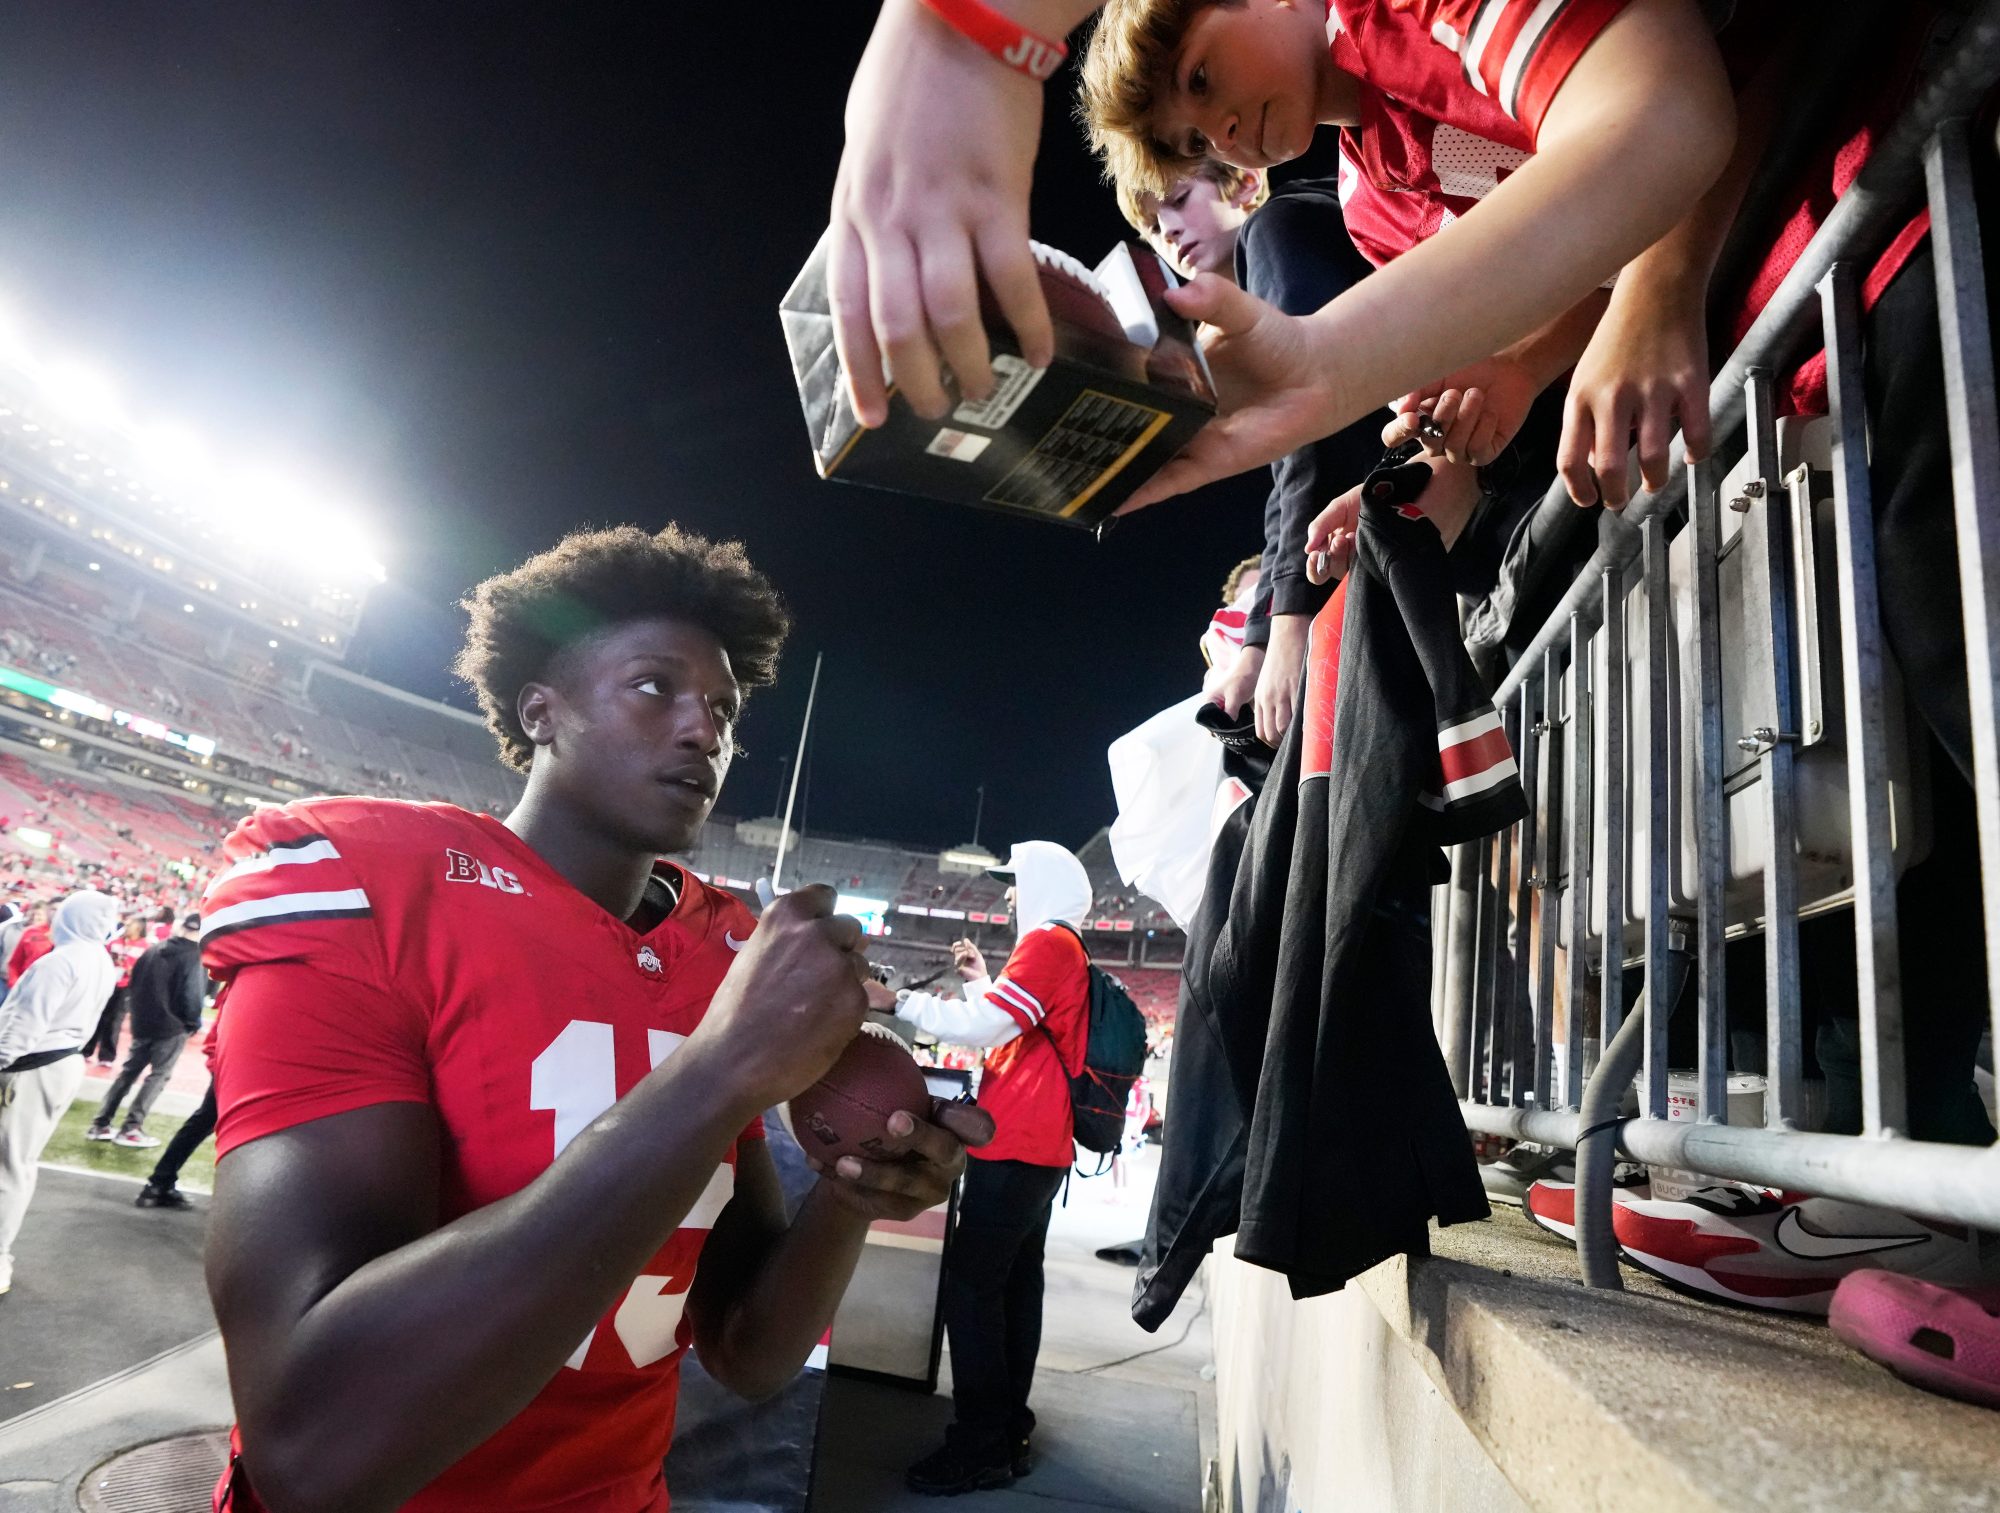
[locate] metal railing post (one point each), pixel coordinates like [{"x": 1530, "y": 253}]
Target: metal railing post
[
  {"x": 1975, "y": 484},
  {"x": 1523, "y": 1049},
  {"x": 1610, "y": 716},
  {"x": 1659, "y": 807},
  {"x": 1711, "y": 814},
  {"x": 1455, "y": 1029},
  {"x": 1878, "y": 966},
  {"x": 1548, "y": 840},
  {"x": 1769, "y": 610},
  {"x": 1576, "y": 898},
  {"x": 1485, "y": 934}
]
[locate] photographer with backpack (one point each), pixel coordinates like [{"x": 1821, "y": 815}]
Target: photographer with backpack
[{"x": 1063, "y": 1044}]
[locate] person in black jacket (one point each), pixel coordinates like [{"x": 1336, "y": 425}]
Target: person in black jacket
[
  {"x": 168, "y": 986},
  {"x": 1292, "y": 250}
]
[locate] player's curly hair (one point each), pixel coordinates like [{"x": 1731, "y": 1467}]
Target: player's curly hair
[{"x": 591, "y": 580}]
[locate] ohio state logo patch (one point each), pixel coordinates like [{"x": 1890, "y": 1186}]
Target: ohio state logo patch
[{"x": 649, "y": 961}]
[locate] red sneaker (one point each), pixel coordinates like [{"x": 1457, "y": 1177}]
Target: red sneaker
[
  {"x": 1551, "y": 1204},
  {"x": 1786, "y": 1252}
]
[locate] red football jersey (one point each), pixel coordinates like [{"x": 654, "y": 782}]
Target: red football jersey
[
  {"x": 376, "y": 951},
  {"x": 1045, "y": 989},
  {"x": 1453, "y": 92}
]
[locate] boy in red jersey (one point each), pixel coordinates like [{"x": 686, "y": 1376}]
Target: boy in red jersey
[
  {"x": 1524, "y": 108},
  {"x": 1033, "y": 1020},
  {"x": 488, "y": 1091}
]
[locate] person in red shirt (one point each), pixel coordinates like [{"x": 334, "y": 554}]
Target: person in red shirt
[
  {"x": 34, "y": 943},
  {"x": 489, "y": 1148},
  {"x": 1034, "y": 1020},
  {"x": 126, "y": 950}
]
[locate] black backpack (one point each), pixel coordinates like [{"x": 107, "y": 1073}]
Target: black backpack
[{"x": 1114, "y": 1056}]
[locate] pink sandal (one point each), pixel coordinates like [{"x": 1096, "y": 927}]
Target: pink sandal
[{"x": 1944, "y": 1339}]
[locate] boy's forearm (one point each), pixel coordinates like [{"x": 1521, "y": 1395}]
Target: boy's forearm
[
  {"x": 1052, "y": 18},
  {"x": 1553, "y": 350},
  {"x": 1537, "y": 246},
  {"x": 501, "y": 1297},
  {"x": 1683, "y": 261}
]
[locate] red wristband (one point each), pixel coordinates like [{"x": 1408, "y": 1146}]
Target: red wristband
[{"x": 1009, "y": 41}]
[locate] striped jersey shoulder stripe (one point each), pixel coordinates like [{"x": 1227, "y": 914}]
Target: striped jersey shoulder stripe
[
  {"x": 1019, "y": 996},
  {"x": 299, "y": 851},
  {"x": 285, "y": 908},
  {"x": 1499, "y": 44},
  {"x": 1519, "y": 58},
  {"x": 1013, "y": 1010}
]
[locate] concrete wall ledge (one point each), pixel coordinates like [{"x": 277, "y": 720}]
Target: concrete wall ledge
[{"x": 1648, "y": 1400}]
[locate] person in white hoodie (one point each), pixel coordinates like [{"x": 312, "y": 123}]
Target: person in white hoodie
[
  {"x": 44, "y": 1022},
  {"x": 1033, "y": 1019}
]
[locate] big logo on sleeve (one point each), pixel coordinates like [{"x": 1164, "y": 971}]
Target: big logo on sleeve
[{"x": 461, "y": 868}]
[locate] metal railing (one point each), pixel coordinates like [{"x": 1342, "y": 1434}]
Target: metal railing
[{"x": 1572, "y": 708}]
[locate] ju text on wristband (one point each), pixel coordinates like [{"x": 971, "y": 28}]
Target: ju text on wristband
[{"x": 1006, "y": 39}]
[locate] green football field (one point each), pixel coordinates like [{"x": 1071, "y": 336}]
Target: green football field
[{"x": 68, "y": 1148}]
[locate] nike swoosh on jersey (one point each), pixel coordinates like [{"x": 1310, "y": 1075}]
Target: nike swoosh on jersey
[
  {"x": 733, "y": 943},
  {"x": 1794, "y": 1238}
]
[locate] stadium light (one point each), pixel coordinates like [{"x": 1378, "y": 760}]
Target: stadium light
[
  {"x": 265, "y": 510},
  {"x": 274, "y": 511},
  {"x": 175, "y": 455},
  {"x": 14, "y": 350},
  {"x": 82, "y": 393}
]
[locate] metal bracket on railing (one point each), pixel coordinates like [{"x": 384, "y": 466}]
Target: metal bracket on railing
[
  {"x": 1752, "y": 492},
  {"x": 1762, "y": 739}
]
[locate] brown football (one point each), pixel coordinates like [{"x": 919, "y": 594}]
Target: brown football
[{"x": 846, "y": 1112}]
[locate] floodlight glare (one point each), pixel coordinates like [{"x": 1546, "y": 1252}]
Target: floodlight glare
[
  {"x": 175, "y": 455},
  {"x": 275, "y": 513},
  {"x": 82, "y": 393}
]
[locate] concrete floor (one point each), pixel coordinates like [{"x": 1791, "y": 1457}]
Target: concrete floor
[{"x": 1126, "y": 1417}]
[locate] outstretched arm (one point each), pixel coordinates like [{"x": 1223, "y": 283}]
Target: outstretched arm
[
  {"x": 932, "y": 197},
  {"x": 1648, "y": 103}
]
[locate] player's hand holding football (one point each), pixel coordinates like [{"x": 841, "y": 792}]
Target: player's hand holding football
[
  {"x": 924, "y": 1159},
  {"x": 792, "y": 999}
]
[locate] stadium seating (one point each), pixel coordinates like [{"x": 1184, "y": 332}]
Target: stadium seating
[
  {"x": 1156, "y": 990},
  {"x": 63, "y": 629},
  {"x": 144, "y": 847}
]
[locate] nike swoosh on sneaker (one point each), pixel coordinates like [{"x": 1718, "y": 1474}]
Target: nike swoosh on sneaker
[
  {"x": 1792, "y": 1237},
  {"x": 733, "y": 943}
]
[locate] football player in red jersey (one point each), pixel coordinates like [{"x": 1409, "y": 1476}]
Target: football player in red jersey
[{"x": 488, "y": 1091}]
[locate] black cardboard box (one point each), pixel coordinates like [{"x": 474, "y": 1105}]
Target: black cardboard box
[{"x": 1068, "y": 443}]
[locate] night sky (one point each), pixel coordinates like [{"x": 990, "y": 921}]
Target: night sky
[{"x": 504, "y": 270}]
